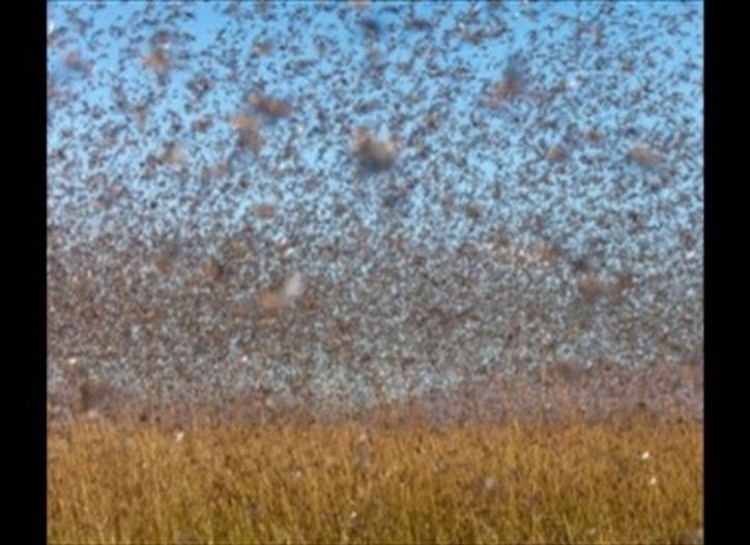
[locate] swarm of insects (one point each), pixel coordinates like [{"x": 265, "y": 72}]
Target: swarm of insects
[{"x": 374, "y": 191}]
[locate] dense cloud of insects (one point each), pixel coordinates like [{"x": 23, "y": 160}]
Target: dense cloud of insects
[{"x": 329, "y": 200}]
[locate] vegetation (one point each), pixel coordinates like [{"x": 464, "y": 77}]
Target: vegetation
[{"x": 635, "y": 479}]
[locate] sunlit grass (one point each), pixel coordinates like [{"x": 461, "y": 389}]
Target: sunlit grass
[{"x": 409, "y": 483}]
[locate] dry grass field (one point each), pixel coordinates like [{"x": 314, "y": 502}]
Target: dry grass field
[{"x": 637, "y": 479}]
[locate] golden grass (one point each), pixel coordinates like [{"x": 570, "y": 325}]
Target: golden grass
[{"x": 350, "y": 483}]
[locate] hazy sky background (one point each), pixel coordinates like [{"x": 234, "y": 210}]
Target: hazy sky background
[{"x": 446, "y": 74}]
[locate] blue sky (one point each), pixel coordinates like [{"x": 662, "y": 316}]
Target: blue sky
[{"x": 337, "y": 79}]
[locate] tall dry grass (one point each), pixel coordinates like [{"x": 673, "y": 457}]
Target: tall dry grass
[{"x": 630, "y": 480}]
